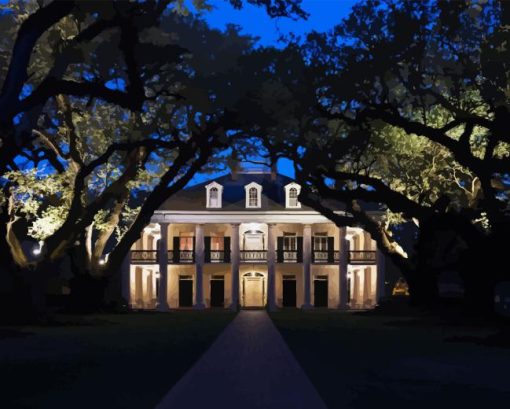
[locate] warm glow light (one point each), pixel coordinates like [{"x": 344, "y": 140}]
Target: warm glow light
[
  {"x": 38, "y": 250},
  {"x": 101, "y": 262}
]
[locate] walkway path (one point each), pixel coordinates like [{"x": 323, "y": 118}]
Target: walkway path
[{"x": 249, "y": 366}]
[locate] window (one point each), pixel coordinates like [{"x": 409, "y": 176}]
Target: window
[
  {"x": 320, "y": 243},
  {"x": 186, "y": 243},
  {"x": 291, "y": 196},
  {"x": 253, "y": 195},
  {"x": 217, "y": 243},
  {"x": 289, "y": 242},
  {"x": 213, "y": 197},
  {"x": 213, "y": 191}
]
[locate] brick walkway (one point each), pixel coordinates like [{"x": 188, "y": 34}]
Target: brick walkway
[{"x": 249, "y": 366}]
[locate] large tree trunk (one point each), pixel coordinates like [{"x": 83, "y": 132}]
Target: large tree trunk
[{"x": 87, "y": 288}]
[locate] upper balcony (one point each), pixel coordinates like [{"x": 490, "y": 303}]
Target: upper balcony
[{"x": 253, "y": 256}]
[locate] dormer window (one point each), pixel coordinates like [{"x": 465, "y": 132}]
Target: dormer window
[
  {"x": 253, "y": 195},
  {"x": 291, "y": 196},
  {"x": 214, "y": 192}
]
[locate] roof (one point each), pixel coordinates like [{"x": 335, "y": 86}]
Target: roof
[{"x": 233, "y": 198}]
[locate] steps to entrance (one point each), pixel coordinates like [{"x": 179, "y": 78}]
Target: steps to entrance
[{"x": 249, "y": 366}]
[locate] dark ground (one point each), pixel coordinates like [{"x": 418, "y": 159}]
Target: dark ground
[
  {"x": 400, "y": 358},
  {"x": 104, "y": 361}
]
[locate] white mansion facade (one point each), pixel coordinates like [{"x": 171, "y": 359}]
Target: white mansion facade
[{"x": 244, "y": 240}]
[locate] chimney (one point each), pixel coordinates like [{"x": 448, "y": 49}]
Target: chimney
[
  {"x": 233, "y": 164},
  {"x": 274, "y": 171}
]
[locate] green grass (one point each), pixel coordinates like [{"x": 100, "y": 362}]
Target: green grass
[
  {"x": 366, "y": 361},
  {"x": 104, "y": 361}
]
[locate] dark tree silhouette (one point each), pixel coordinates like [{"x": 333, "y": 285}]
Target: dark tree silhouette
[
  {"x": 60, "y": 72},
  {"x": 402, "y": 104}
]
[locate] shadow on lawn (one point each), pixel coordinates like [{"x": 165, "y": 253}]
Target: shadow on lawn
[{"x": 501, "y": 339}]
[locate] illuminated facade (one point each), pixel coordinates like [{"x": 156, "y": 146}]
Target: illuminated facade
[{"x": 245, "y": 240}]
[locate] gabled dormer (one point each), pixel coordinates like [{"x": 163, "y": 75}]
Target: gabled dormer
[
  {"x": 253, "y": 195},
  {"x": 214, "y": 192},
  {"x": 292, "y": 191}
]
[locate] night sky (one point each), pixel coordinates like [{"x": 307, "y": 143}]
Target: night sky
[{"x": 324, "y": 14}]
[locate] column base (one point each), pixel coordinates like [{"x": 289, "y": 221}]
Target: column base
[
  {"x": 344, "y": 307},
  {"x": 272, "y": 308},
  {"x": 163, "y": 308},
  {"x": 200, "y": 306},
  {"x": 307, "y": 307},
  {"x": 234, "y": 307}
]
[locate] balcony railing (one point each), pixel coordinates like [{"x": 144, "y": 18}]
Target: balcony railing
[
  {"x": 290, "y": 256},
  {"x": 362, "y": 257},
  {"x": 186, "y": 256},
  {"x": 144, "y": 256},
  {"x": 217, "y": 256},
  {"x": 253, "y": 256}
]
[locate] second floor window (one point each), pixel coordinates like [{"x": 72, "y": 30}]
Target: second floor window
[
  {"x": 217, "y": 243},
  {"x": 320, "y": 243},
  {"x": 289, "y": 243},
  {"x": 186, "y": 243},
  {"x": 253, "y": 197}
]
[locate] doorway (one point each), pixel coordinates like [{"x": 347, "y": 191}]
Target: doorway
[
  {"x": 320, "y": 284},
  {"x": 185, "y": 291},
  {"x": 254, "y": 291},
  {"x": 217, "y": 291},
  {"x": 289, "y": 291}
]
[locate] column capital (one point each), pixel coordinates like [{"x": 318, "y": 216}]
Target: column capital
[{"x": 235, "y": 224}]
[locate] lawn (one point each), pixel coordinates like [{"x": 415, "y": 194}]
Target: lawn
[
  {"x": 104, "y": 361},
  {"x": 367, "y": 361}
]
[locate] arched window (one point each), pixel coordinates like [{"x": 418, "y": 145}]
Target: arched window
[
  {"x": 253, "y": 196},
  {"x": 213, "y": 197},
  {"x": 214, "y": 191},
  {"x": 293, "y": 195}
]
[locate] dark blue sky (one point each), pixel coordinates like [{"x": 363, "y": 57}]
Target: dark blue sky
[{"x": 324, "y": 14}]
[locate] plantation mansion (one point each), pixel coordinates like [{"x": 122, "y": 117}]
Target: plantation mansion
[{"x": 244, "y": 240}]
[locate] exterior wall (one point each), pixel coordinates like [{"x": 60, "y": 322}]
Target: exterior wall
[{"x": 143, "y": 278}]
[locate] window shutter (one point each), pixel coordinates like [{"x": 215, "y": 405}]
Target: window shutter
[
  {"x": 299, "y": 243},
  {"x": 279, "y": 249},
  {"x": 226, "y": 248},
  {"x": 207, "y": 249},
  {"x": 331, "y": 249},
  {"x": 176, "y": 249}
]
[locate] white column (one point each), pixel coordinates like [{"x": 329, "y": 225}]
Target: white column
[
  {"x": 125, "y": 271},
  {"x": 380, "y": 265},
  {"x": 163, "y": 268},
  {"x": 355, "y": 290},
  {"x": 271, "y": 280},
  {"x": 199, "y": 266},
  {"x": 234, "y": 265},
  {"x": 307, "y": 262},
  {"x": 343, "y": 265},
  {"x": 139, "y": 287},
  {"x": 367, "y": 287}
]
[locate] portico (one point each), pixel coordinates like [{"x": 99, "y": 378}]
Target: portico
[{"x": 258, "y": 257}]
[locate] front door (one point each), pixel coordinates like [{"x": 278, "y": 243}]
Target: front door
[
  {"x": 321, "y": 291},
  {"x": 253, "y": 290},
  {"x": 185, "y": 291},
  {"x": 289, "y": 291},
  {"x": 217, "y": 292}
]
